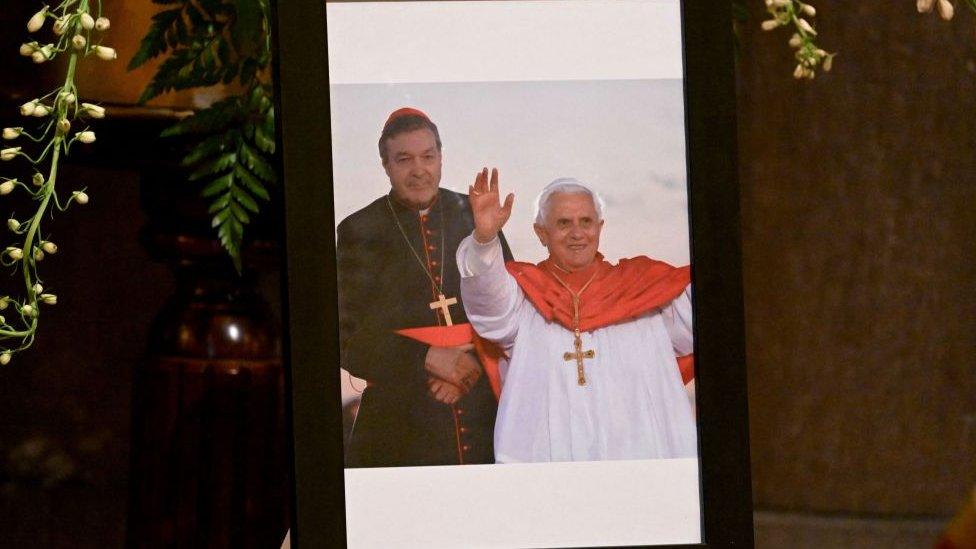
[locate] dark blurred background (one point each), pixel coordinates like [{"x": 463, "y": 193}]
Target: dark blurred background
[
  {"x": 858, "y": 234},
  {"x": 859, "y": 239}
]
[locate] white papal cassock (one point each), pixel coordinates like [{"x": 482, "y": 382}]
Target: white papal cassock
[{"x": 633, "y": 405}]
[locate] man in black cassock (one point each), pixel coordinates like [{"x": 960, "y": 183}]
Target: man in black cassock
[{"x": 422, "y": 405}]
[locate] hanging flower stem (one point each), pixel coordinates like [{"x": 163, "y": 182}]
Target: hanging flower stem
[
  {"x": 796, "y": 14},
  {"x": 76, "y": 33}
]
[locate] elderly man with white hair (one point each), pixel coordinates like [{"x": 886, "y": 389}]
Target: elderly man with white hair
[{"x": 591, "y": 370}]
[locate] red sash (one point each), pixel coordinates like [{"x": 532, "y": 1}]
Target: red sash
[{"x": 618, "y": 293}]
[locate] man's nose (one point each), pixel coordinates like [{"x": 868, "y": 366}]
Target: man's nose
[{"x": 417, "y": 167}]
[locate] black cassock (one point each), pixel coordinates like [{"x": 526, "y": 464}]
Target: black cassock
[{"x": 383, "y": 287}]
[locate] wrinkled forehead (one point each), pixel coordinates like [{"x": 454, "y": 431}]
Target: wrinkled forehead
[
  {"x": 411, "y": 142},
  {"x": 571, "y": 205}
]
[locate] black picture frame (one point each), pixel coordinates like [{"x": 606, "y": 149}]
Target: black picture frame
[{"x": 302, "y": 81}]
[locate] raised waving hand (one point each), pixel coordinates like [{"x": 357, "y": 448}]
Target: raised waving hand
[{"x": 490, "y": 215}]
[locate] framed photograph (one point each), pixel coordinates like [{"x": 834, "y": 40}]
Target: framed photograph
[{"x": 513, "y": 284}]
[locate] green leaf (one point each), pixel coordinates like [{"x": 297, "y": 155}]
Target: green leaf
[
  {"x": 256, "y": 163},
  {"x": 254, "y": 98},
  {"x": 177, "y": 35},
  {"x": 226, "y": 161},
  {"x": 252, "y": 183},
  {"x": 168, "y": 74},
  {"x": 230, "y": 230},
  {"x": 263, "y": 141},
  {"x": 219, "y": 203},
  {"x": 206, "y": 42},
  {"x": 264, "y": 134},
  {"x": 239, "y": 213},
  {"x": 236, "y": 227},
  {"x": 205, "y": 149},
  {"x": 215, "y": 118},
  {"x": 219, "y": 165},
  {"x": 222, "y": 183},
  {"x": 220, "y": 218},
  {"x": 154, "y": 43},
  {"x": 245, "y": 200}
]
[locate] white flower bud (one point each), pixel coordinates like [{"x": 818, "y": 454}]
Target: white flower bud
[
  {"x": 49, "y": 299},
  {"x": 808, "y": 10},
  {"x": 41, "y": 111},
  {"x": 828, "y": 62},
  {"x": 38, "y": 254},
  {"x": 946, "y": 11},
  {"x": 771, "y": 24},
  {"x": 13, "y": 224},
  {"x": 798, "y": 72},
  {"x": 38, "y": 288},
  {"x": 37, "y": 179},
  {"x": 59, "y": 26},
  {"x": 806, "y": 26},
  {"x": 924, "y": 6},
  {"x": 796, "y": 41},
  {"x": 27, "y": 108},
  {"x": 15, "y": 253},
  {"x": 4, "y": 357},
  {"x": 12, "y": 133},
  {"x": 64, "y": 126},
  {"x": 28, "y": 49},
  {"x": 105, "y": 52},
  {"x": 35, "y": 23},
  {"x": 102, "y": 24},
  {"x": 93, "y": 111},
  {"x": 9, "y": 153},
  {"x": 78, "y": 41},
  {"x": 43, "y": 53},
  {"x": 86, "y": 136},
  {"x": 27, "y": 310},
  {"x": 87, "y": 22},
  {"x": 49, "y": 247},
  {"x": 7, "y": 187},
  {"x": 4, "y": 301},
  {"x": 80, "y": 197}
]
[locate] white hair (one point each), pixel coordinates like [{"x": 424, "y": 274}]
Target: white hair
[{"x": 566, "y": 185}]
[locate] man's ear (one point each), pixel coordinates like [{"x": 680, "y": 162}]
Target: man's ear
[{"x": 541, "y": 233}]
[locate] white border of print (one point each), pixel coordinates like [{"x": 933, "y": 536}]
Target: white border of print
[{"x": 530, "y": 505}]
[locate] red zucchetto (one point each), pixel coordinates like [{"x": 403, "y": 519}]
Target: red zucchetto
[{"x": 405, "y": 111}]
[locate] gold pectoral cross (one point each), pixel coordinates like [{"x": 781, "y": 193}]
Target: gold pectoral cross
[
  {"x": 578, "y": 355},
  {"x": 443, "y": 303}
]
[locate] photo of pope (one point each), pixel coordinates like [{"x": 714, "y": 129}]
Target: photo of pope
[{"x": 591, "y": 349}]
